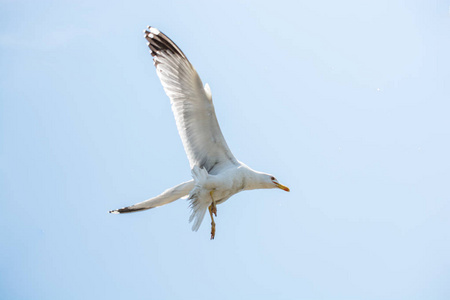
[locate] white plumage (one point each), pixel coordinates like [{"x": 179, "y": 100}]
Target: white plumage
[{"x": 217, "y": 174}]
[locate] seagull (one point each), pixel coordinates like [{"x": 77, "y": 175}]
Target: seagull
[{"x": 217, "y": 174}]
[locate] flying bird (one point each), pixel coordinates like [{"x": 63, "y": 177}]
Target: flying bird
[{"x": 217, "y": 174}]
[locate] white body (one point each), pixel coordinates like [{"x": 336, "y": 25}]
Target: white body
[{"x": 214, "y": 168}]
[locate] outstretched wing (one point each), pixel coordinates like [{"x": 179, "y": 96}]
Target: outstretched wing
[
  {"x": 192, "y": 105},
  {"x": 166, "y": 197}
]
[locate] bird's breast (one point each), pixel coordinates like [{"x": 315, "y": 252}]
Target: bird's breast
[{"x": 224, "y": 191}]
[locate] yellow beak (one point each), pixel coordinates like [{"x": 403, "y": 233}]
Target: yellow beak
[{"x": 284, "y": 188}]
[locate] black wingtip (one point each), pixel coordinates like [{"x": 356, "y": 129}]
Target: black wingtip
[
  {"x": 125, "y": 210},
  {"x": 159, "y": 42}
]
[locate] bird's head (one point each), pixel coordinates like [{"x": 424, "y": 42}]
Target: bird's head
[{"x": 270, "y": 182}]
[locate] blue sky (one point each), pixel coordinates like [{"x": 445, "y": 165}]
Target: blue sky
[{"x": 347, "y": 103}]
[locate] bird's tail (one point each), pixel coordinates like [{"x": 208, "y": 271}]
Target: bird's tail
[
  {"x": 166, "y": 197},
  {"x": 197, "y": 197},
  {"x": 200, "y": 175}
]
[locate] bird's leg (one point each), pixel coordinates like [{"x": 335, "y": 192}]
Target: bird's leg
[
  {"x": 212, "y": 210},
  {"x": 213, "y": 204},
  {"x": 213, "y": 224}
]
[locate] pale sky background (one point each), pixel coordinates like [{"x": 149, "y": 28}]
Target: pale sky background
[{"x": 345, "y": 102}]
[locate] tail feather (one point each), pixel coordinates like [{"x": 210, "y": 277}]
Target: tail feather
[
  {"x": 197, "y": 215},
  {"x": 166, "y": 197},
  {"x": 197, "y": 197},
  {"x": 200, "y": 175}
]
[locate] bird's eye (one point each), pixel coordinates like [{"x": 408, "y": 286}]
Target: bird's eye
[{"x": 272, "y": 178}]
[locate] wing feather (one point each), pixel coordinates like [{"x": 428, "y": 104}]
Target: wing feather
[
  {"x": 165, "y": 197},
  {"x": 192, "y": 105}
]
